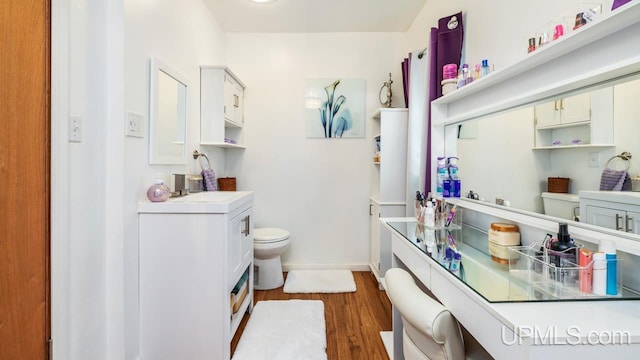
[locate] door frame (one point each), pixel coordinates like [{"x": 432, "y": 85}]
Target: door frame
[{"x": 59, "y": 241}]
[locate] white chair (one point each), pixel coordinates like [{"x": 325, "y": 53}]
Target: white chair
[{"x": 430, "y": 331}]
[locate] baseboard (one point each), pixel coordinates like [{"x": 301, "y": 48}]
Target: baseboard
[{"x": 352, "y": 267}]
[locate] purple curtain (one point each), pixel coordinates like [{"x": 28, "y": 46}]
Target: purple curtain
[
  {"x": 406, "y": 66},
  {"x": 446, "y": 48},
  {"x": 618, "y": 3}
]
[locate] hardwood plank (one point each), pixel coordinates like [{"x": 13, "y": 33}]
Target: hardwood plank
[{"x": 353, "y": 320}]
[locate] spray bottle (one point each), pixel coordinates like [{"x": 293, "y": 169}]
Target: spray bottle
[{"x": 441, "y": 175}]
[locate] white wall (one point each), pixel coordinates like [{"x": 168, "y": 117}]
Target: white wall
[
  {"x": 496, "y": 31},
  {"x": 86, "y": 271},
  {"x": 317, "y": 189},
  {"x": 184, "y": 35}
]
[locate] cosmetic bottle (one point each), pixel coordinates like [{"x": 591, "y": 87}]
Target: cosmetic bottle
[
  {"x": 609, "y": 251},
  {"x": 532, "y": 45},
  {"x": 485, "y": 70},
  {"x": 158, "y": 192},
  {"x": 559, "y": 32},
  {"x": 599, "y": 273},
  {"x": 585, "y": 256},
  {"x": 455, "y": 262},
  {"x": 563, "y": 248},
  {"x": 429, "y": 215},
  {"x": 452, "y": 167},
  {"x": 441, "y": 175}
]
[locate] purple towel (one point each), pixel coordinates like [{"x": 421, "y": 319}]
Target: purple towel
[
  {"x": 209, "y": 180},
  {"x": 615, "y": 180}
]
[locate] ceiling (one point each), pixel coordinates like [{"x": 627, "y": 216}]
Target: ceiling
[{"x": 302, "y": 16}]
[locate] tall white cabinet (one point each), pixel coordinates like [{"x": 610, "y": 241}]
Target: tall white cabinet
[
  {"x": 388, "y": 183},
  {"x": 195, "y": 274}
]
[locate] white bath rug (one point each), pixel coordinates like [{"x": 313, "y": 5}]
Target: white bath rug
[
  {"x": 319, "y": 281},
  {"x": 284, "y": 330}
]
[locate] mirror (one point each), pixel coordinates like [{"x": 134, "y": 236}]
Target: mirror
[
  {"x": 538, "y": 150},
  {"x": 167, "y": 114}
]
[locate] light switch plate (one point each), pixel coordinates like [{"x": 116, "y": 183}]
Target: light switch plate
[
  {"x": 134, "y": 125},
  {"x": 593, "y": 159},
  {"x": 75, "y": 129}
]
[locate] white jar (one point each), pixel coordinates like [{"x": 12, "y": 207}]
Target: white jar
[{"x": 501, "y": 237}]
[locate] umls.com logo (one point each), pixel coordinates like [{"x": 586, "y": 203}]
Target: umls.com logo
[{"x": 573, "y": 335}]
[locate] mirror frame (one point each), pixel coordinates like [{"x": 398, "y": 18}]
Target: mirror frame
[
  {"x": 156, "y": 66},
  {"x": 556, "y": 70}
]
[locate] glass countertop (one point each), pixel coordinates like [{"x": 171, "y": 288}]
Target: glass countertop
[{"x": 490, "y": 279}]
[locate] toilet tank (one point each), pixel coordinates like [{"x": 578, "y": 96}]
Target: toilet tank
[{"x": 561, "y": 205}]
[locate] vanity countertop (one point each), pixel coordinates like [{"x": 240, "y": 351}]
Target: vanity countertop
[
  {"x": 203, "y": 202},
  {"x": 626, "y": 197},
  {"x": 511, "y": 328}
]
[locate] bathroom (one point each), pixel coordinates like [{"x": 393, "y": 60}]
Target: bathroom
[{"x": 318, "y": 190}]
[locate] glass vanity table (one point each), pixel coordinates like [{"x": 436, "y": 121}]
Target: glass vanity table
[
  {"x": 509, "y": 319},
  {"x": 487, "y": 278}
]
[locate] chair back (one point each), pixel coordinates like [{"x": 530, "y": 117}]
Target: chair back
[{"x": 430, "y": 331}]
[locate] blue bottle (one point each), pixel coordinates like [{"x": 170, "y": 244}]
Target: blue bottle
[
  {"x": 454, "y": 186},
  {"x": 441, "y": 175},
  {"x": 612, "y": 267}
]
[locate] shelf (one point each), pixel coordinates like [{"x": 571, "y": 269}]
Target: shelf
[
  {"x": 567, "y": 125},
  {"x": 581, "y": 75},
  {"x": 224, "y": 145},
  {"x": 585, "y": 146},
  {"x": 231, "y": 124},
  {"x": 376, "y": 114}
]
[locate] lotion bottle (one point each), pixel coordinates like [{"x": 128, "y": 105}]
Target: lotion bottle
[{"x": 599, "y": 273}]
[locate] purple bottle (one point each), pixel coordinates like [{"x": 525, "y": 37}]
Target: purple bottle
[{"x": 158, "y": 192}]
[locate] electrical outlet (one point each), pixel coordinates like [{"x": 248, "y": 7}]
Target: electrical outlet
[
  {"x": 134, "y": 125},
  {"x": 593, "y": 159},
  {"x": 75, "y": 129}
]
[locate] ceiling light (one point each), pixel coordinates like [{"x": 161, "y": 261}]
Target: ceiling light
[{"x": 263, "y": 1}]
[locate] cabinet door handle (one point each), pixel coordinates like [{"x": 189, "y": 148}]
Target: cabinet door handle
[
  {"x": 561, "y": 104},
  {"x": 370, "y": 213},
  {"x": 247, "y": 229},
  {"x": 627, "y": 219},
  {"x": 235, "y": 100},
  {"x": 555, "y": 105},
  {"x": 618, "y": 218}
]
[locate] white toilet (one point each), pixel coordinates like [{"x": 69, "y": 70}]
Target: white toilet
[
  {"x": 561, "y": 205},
  {"x": 268, "y": 245}
]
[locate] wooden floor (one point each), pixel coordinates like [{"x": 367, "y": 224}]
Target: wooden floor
[{"x": 353, "y": 320}]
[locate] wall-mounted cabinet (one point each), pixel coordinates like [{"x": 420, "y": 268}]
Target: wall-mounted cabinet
[
  {"x": 584, "y": 120},
  {"x": 388, "y": 183},
  {"x": 221, "y": 108}
]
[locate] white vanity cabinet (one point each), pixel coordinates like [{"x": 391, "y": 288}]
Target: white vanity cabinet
[
  {"x": 618, "y": 210},
  {"x": 221, "y": 107},
  {"x": 193, "y": 252},
  {"x": 388, "y": 183}
]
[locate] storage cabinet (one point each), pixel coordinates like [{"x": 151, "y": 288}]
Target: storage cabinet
[
  {"x": 195, "y": 275},
  {"x": 221, "y": 108},
  {"x": 617, "y": 210},
  {"x": 564, "y": 111},
  {"x": 584, "y": 120},
  {"x": 388, "y": 182}
]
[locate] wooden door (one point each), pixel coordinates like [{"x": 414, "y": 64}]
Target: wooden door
[{"x": 24, "y": 178}]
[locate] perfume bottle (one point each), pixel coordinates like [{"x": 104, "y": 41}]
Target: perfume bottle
[{"x": 158, "y": 192}]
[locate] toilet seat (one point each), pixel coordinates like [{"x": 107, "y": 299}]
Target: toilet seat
[{"x": 269, "y": 235}]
